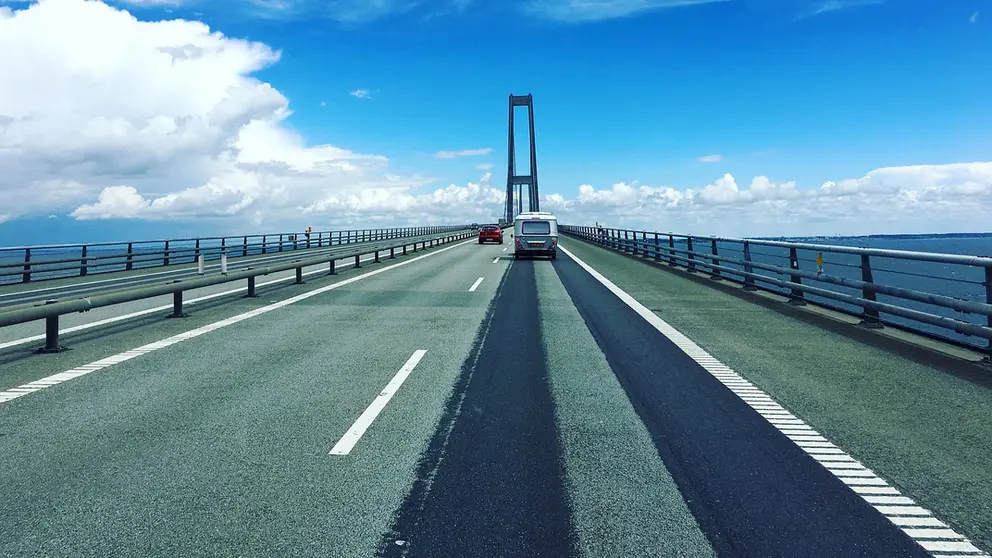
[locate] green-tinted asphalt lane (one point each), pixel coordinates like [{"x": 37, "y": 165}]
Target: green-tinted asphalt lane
[
  {"x": 218, "y": 445},
  {"x": 624, "y": 501},
  {"x": 921, "y": 428}
]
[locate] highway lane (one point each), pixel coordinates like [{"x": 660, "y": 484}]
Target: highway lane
[
  {"x": 21, "y": 293},
  {"x": 219, "y": 444},
  {"x": 545, "y": 418}
]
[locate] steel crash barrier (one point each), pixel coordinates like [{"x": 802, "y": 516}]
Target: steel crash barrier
[
  {"x": 940, "y": 292},
  {"x": 23, "y": 264},
  {"x": 50, "y": 310}
]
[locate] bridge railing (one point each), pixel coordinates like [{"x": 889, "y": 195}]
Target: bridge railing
[
  {"x": 23, "y": 264},
  {"x": 52, "y": 309},
  {"x": 947, "y": 296}
]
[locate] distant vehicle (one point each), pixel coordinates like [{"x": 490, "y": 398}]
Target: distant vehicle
[
  {"x": 490, "y": 232},
  {"x": 536, "y": 234},
  {"x": 475, "y": 226}
]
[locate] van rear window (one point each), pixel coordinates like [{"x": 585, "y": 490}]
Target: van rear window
[{"x": 535, "y": 227}]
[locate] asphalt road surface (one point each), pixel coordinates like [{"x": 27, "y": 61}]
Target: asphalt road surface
[{"x": 449, "y": 403}]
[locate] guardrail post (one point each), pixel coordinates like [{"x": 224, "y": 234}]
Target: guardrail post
[
  {"x": 199, "y": 264},
  {"x": 251, "y": 288},
  {"x": 404, "y": 249},
  {"x": 376, "y": 256},
  {"x": 223, "y": 263},
  {"x": 299, "y": 276},
  {"x": 796, "y": 297},
  {"x": 177, "y": 305},
  {"x": 358, "y": 262},
  {"x": 392, "y": 253},
  {"x": 51, "y": 333},
  {"x": 130, "y": 250},
  {"x": 691, "y": 268},
  {"x": 331, "y": 270},
  {"x": 714, "y": 272},
  {"x": 83, "y": 264},
  {"x": 749, "y": 284},
  {"x": 165, "y": 260},
  {"x": 988, "y": 300},
  {"x": 869, "y": 316},
  {"x": 671, "y": 250},
  {"x": 26, "y": 276}
]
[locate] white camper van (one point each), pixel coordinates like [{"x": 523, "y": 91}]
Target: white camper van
[{"x": 535, "y": 233}]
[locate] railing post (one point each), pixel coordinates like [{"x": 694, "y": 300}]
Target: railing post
[
  {"x": 376, "y": 260},
  {"x": 358, "y": 262},
  {"x": 691, "y": 268},
  {"x": 796, "y": 297},
  {"x": 251, "y": 288},
  {"x": 51, "y": 333},
  {"x": 988, "y": 319},
  {"x": 177, "y": 305},
  {"x": 869, "y": 316},
  {"x": 331, "y": 270},
  {"x": 83, "y": 265},
  {"x": 749, "y": 284},
  {"x": 130, "y": 252},
  {"x": 657, "y": 248},
  {"x": 244, "y": 246},
  {"x": 165, "y": 260},
  {"x": 280, "y": 243},
  {"x": 320, "y": 240},
  {"x": 299, "y": 276},
  {"x": 265, "y": 241},
  {"x": 196, "y": 250},
  {"x": 26, "y": 276},
  {"x": 715, "y": 273},
  {"x": 392, "y": 253},
  {"x": 671, "y": 250}
]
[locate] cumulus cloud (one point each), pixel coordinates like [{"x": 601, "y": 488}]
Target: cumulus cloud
[
  {"x": 710, "y": 158},
  {"x": 463, "y": 153},
  {"x": 105, "y": 116},
  {"x": 361, "y": 94},
  {"x": 925, "y": 198},
  {"x": 484, "y": 166}
]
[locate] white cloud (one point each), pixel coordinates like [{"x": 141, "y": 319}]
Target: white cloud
[
  {"x": 361, "y": 94},
  {"x": 973, "y": 18},
  {"x": 710, "y": 158},
  {"x": 925, "y": 198},
  {"x": 484, "y": 166},
  {"x": 323, "y": 103},
  {"x": 828, "y": 6},
  {"x": 577, "y": 11},
  {"x": 104, "y": 116},
  {"x": 463, "y": 153}
]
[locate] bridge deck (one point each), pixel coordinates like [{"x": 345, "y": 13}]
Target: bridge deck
[{"x": 545, "y": 418}]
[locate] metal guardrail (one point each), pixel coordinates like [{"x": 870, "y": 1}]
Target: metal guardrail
[
  {"x": 22, "y": 264},
  {"x": 850, "y": 286},
  {"x": 52, "y": 309}
]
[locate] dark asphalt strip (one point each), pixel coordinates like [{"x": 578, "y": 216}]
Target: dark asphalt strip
[
  {"x": 491, "y": 482},
  {"x": 752, "y": 490}
]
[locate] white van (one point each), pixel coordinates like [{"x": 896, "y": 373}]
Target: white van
[{"x": 535, "y": 233}]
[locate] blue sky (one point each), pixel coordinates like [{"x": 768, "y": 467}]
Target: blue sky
[{"x": 804, "y": 91}]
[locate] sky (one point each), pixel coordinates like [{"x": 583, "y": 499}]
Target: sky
[{"x": 165, "y": 118}]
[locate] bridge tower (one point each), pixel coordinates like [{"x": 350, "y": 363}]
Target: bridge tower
[{"x": 515, "y": 182}]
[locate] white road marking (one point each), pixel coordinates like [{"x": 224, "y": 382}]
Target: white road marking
[
  {"x": 866, "y": 487},
  {"x": 504, "y": 249},
  {"x": 349, "y": 262},
  {"x": 496, "y": 259},
  {"x": 475, "y": 285},
  {"x": 55, "y": 379},
  {"x": 357, "y": 430}
]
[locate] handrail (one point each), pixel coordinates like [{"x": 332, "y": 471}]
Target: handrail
[
  {"x": 52, "y": 309},
  {"x": 946, "y": 310},
  {"x": 24, "y": 263}
]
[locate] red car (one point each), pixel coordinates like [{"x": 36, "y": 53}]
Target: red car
[{"x": 490, "y": 232}]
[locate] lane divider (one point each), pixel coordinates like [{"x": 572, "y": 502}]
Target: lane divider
[
  {"x": 475, "y": 285},
  {"x": 85, "y": 369},
  {"x": 349, "y": 263},
  {"x": 357, "y": 430},
  {"x": 917, "y": 522}
]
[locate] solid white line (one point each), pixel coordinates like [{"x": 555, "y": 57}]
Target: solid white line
[
  {"x": 144, "y": 349},
  {"x": 861, "y": 485},
  {"x": 115, "y": 319},
  {"x": 354, "y": 434},
  {"x": 475, "y": 285}
]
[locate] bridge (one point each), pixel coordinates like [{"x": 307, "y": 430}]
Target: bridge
[{"x": 410, "y": 392}]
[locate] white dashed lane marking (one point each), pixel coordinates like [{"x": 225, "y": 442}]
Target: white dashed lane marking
[{"x": 916, "y": 521}]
